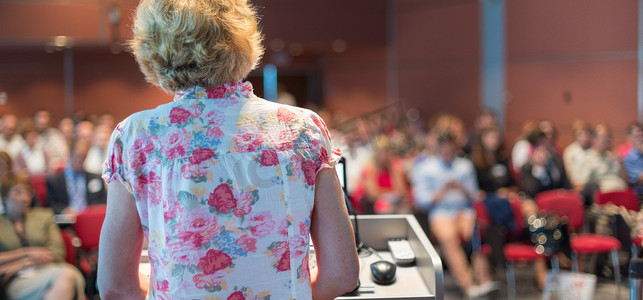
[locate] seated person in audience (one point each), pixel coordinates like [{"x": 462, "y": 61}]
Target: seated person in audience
[
  {"x": 32, "y": 159},
  {"x": 522, "y": 148},
  {"x": 84, "y": 130},
  {"x": 32, "y": 250},
  {"x": 599, "y": 168},
  {"x": 382, "y": 194},
  {"x": 73, "y": 189},
  {"x": 633, "y": 163},
  {"x": 545, "y": 170},
  {"x": 496, "y": 186},
  {"x": 486, "y": 118},
  {"x": 633, "y": 130},
  {"x": 66, "y": 127},
  {"x": 575, "y": 151},
  {"x": 10, "y": 141},
  {"x": 551, "y": 133},
  {"x": 6, "y": 168},
  {"x": 98, "y": 151},
  {"x": 52, "y": 140},
  {"x": 445, "y": 186}
]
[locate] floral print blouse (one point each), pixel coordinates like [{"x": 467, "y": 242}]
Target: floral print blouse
[{"x": 224, "y": 186}]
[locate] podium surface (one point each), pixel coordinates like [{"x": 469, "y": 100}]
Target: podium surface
[{"x": 422, "y": 280}]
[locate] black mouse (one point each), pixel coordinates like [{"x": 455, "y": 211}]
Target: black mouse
[{"x": 383, "y": 272}]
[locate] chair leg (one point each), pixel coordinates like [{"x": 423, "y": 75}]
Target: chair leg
[
  {"x": 574, "y": 261},
  {"x": 554, "y": 264},
  {"x": 511, "y": 280},
  {"x": 617, "y": 271},
  {"x": 634, "y": 250}
]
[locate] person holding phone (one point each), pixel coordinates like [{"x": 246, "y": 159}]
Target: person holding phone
[{"x": 445, "y": 186}]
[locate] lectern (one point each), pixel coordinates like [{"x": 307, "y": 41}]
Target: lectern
[{"x": 422, "y": 280}]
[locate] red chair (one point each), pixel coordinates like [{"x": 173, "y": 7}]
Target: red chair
[
  {"x": 88, "y": 226},
  {"x": 566, "y": 203},
  {"x": 70, "y": 250},
  {"x": 39, "y": 184},
  {"x": 625, "y": 199}
]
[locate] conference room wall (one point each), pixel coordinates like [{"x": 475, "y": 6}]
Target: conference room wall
[{"x": 569, "y": 60}]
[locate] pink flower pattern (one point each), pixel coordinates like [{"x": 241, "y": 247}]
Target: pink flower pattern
[{"x": 209, "y": 173}]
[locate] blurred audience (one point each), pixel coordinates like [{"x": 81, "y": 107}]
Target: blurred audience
[
  {"x": 32, "y": 159},
  {"x": 73, "y": 189},
  {"x": 98, "y": 151},
  {"x": 544, "y": 171},
  {"x": 6, "y": 168},
  {"x": 576, "y": 150},
  {"x": 522, "y": 148},
  {"x": 32, "y": 250},
  {"x": 485, "y": 119},
  {"x": 633, "y": 130},
  {"x": 84, "y": 131},
  {"x": 67, "y": 128},
  {"x": 598, "y": 168},
  {"x": 52, "y": 140},
  {"x": 10, "y": 141},
  {"x": 633, "y": 163}
]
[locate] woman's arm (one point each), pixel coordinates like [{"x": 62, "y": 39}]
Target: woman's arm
[
  {"x": 121, "y": 241},
  {"x": 332, "y": 234}
]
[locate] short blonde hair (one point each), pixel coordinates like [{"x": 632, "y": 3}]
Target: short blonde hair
[{"x": 185, "y": 43}]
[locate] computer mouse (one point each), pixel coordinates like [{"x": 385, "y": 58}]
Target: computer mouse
[{"x": 383, "y": 272}]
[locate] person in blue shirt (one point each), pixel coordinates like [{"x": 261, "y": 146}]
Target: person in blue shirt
[
  {"x": 445, "y": 186},
  {"x": 633, "y": 163}
]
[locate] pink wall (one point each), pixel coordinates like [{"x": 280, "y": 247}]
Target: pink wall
[
  {"x": 586, "y": 50},
  {"x": 569, "y": 60},
  {"x": 439, "y": 46}
]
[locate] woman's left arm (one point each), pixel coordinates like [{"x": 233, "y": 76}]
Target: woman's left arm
[{"x": 121, "y": 241}]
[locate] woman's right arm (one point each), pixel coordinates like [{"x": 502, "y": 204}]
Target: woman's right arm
[{"x": 333, "y": 238}]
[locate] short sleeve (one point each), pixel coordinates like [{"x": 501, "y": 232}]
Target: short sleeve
[
  {"x": 329, "y": 155},
  {"x": 113, "y": 168}
]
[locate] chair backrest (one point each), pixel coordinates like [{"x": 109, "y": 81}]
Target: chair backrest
[
  {"x": 626, "y": 199},
  {"x": 39, "y": 184},
  {"x": 563, "y": 203},
  {"x": 88, "y": 226}
]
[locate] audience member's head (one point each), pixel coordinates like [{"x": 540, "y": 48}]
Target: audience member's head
[
  {"x": 215, "y": 43},
  {"x": 106, "y": 120},
  {"x": 548, "y": 128},
  {"x": 85, "y": 131},
  {"x": 17, "y": 194},
  {"x": 633, "y": 130},
  {"x": 486, "y": 118},
  {"x": 29, "y": 132},
  {"x": 41, "y": 118},
  {"x": 102, "y": 133},
  {"x": 9, "y": 125},
  {"x": 527, "y": 127},
  {"x": 66, "y": 127},
  {"x": 582, "y": 133},
  {"x": 487, "y": 148},
  {"x": 447, "y": 147},
  {"x": 78, "y": 154},
  {"x": 602, "y": 139}
]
